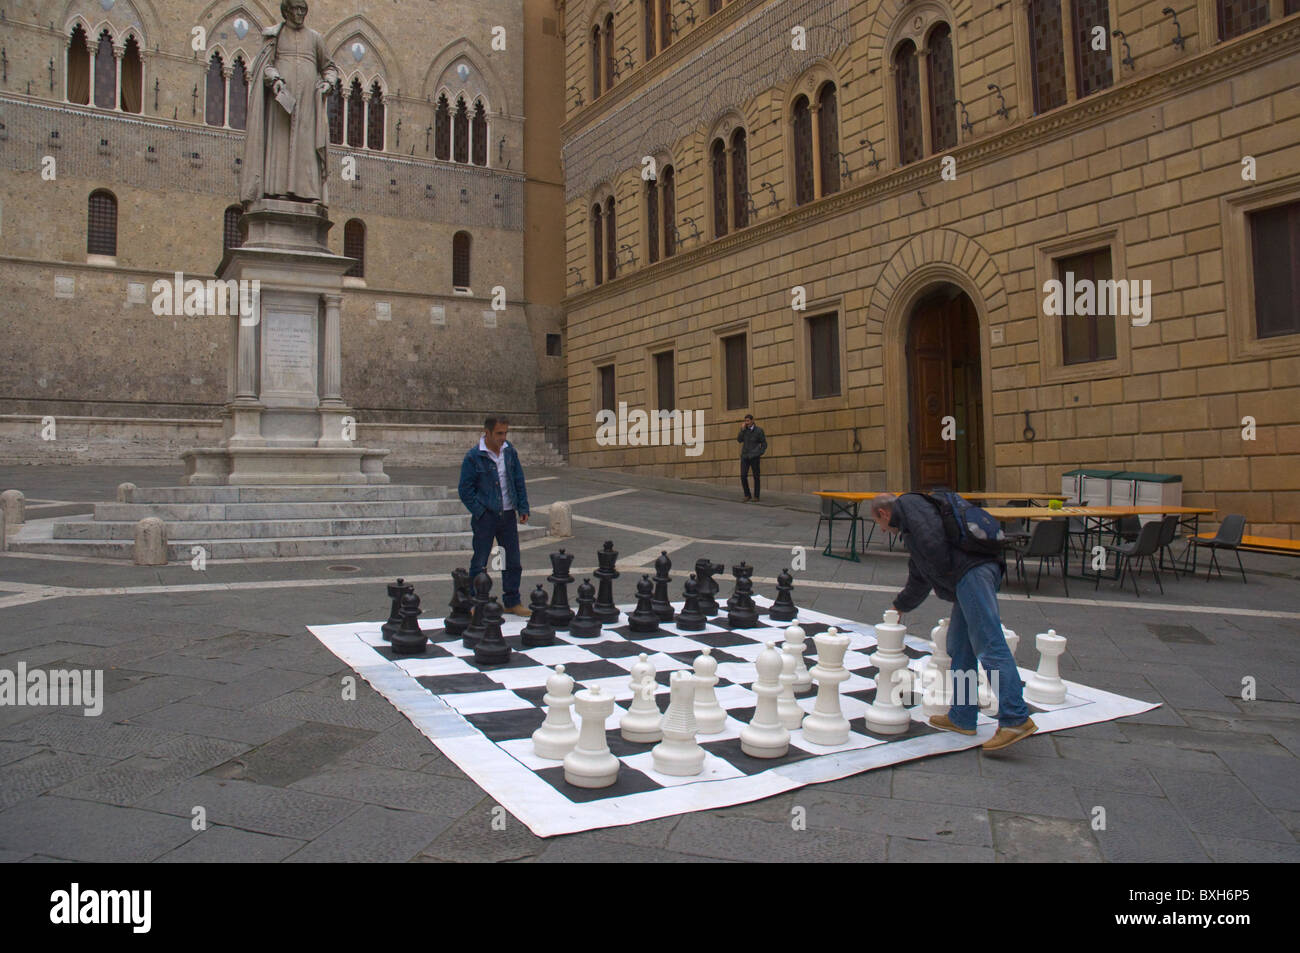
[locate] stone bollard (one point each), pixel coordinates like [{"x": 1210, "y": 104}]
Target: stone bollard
[
  {"x": 11, "y": 501},
  {"x": 126, "y": 493},
  {"x": 3, "y": 542},
  {"x": 151, "y": 542},
  {"x": 561, "y": 520}
]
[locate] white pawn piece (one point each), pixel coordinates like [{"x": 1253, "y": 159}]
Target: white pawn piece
[
  {"x": 590, "y": 764},
  {"x": 787, "y": 708},
  {"x": 1045, "y": 686},
  {"x": 936, "y": 677},
  {"x": 887, "y": 716},
  {"x": 765, "y": 736},
  {"x": 558, "y": 734},
  {"x": 641, "y": 723},
  {"x": 710, "y": 718},
  {"x": 1013, "y": 641},
  {"x": 678, "y": 754},
  {"x": 794, "y": 639},
  {"x": 826, "y": 724}
]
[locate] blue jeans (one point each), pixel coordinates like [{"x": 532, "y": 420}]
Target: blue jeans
[
  {"x": 504, "y": 529},
  {"x": 975, "y": 631}
]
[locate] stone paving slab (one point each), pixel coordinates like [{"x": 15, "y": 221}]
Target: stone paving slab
[
  {"x": 84, "y": 830},
  {"x": 373, "y": 835}
]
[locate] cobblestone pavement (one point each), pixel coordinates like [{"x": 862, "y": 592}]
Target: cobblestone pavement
[{"x": 217, "y": 696}]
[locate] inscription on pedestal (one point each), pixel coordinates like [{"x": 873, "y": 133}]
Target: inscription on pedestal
[{"x": 289, "y": 354}]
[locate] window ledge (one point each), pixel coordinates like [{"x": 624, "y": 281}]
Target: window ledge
[
  {"x": 352, "y": 281},
  {"x": 103, "y": 261}
]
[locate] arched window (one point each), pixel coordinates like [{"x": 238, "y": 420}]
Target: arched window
[
  {"x": 460, "y": 243},
  {"x": 105, "y": 73},
  {"x": 101, "y": 223},
  {"x": 132, "y": 77},
  {"x": 354, "y": 246},
  {"x": 943, "y": 93},
  {"x": 907, "y": 75},
  {"x": 648, "y": 26},
  {"x": 238, "y": 108},
  {"x": 356, "y": 115},
  {"x": 442, "y": 130},
  {"x": 230, "y": 237},
  {"x": 668, "y": 187},
  {"x": 718, "y": 168},
  {"x": 334, "y": 107},
  {"x": 609, "y": 51},
  {"x": 597, "y": 243},
  {"x": 595, "y": 62},
  {"x": 801, "y": 121},
  {"x": 460, "y": 133},
  {"x": 652, "y": 220},
  {"x": 739, "y": 179},
  {"x": 214, "y": 112},
  {"x": 78, "y": 71},
  {"x": 611, "y": 240},
  {"x": 828, "y": 139},
  {"x": 479, "y": 134},
  {"x": 375, "y": 118}
]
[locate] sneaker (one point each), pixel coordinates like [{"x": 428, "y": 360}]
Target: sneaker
[
  {"x": 1008, "y": 736},
  {"x": 944, "y": 722},
  {"x": 520, "y": 610}
]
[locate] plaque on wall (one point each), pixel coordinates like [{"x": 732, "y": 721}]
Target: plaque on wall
[
  {"x": 65, "y": 287},
  {"x": 438, "y": 315}
]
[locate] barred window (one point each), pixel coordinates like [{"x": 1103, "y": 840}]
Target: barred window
[
  {"x": 239, "y": 97},
  {"x": 356, "y": 114},
  {"x": 354, "y": 246},
  {"x": 1092, "y": 68},
  {"x": 718, "y": 164},
  {"x": 828, "y": 138},
  {"x": 214, "y": 111},
  {"x": 479, "y": 136},
  {"x": 669, "y": 190},
  {"x": 1241, "y": 16},
  {"x": 101, "y": 223},
  {"x": 739, "y": 178},
  {"x": 803, "y": 154},
  {"x": 943, "y": 94},
  {"x": 460, "y": 243},
  {"x": 375, "y": 118},
  {"x": 908, "y": 90},
  {"x": 460, "y": 132},
  {"x": 230, "y": 237},
  {"x": 442, "y": 130}
]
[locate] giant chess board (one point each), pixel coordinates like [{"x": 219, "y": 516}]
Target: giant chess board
[{"x": 482, "y": 717}]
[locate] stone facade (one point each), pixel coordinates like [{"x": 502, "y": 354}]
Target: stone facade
[{"x": 1148, "y": 168}]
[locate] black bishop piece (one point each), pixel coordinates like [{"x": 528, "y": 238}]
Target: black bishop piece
[
  {"x": 538, "y": 631},
  {"x": 410, "y": 639},
  {"x": 604, "y": 608},
  {"x": 644, "y": 618},
  {"x": 659, "y": 601},
  {"x": 784, "y": 609},
  {"x": 460, "y": 604},
  {"x": 492, "y": 648},
  {"x": 474, "y": 631},
  {"x": 395, "y": 592},
  {"x": 691, "y": 619},
  {"x": 559, "y": 614},
  {"x": 585, "y": 625}
]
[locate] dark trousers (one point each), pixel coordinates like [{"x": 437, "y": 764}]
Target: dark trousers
[
  {"x": 504, "y": 529},
  {"x": 745, "y": 466}
]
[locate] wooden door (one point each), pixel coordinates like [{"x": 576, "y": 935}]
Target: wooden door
[{"x": 944, "y": 379}]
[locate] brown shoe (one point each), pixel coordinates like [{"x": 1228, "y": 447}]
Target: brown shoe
[
  {"x": 520, "y": 610},
  {"x": 1009, "y": 736},
  {"x": 944, "y": 722}
]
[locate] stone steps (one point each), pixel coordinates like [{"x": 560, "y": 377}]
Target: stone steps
[
  {"x": 267, "y": 529},
  {"x": 349, "y": 493},
  {"x": 199, "y": 512}
]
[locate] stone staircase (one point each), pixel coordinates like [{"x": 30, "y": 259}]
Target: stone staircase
[{"x": 239, "y": 522}]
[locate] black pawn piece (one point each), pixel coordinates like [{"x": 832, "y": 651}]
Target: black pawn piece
[
  {"x": 585, "y": 625},
  {"x": 559, "y": 614},
  {"x": 460, "y": 604},
  {"x": 410, "y": 639},
  {"x": 644, "y": 618},
  {"x": 743, "y": 571},
  {"x": 492, "y": 648},
  {"x": 538, "y": 631},
  {"x": 744, "y": 615},
  {"x": 691, "y": 619},
  {"x": 395, "y": 592},
  {"x": 784, "y": 609},
  {"x": 659, "y": 601},
  {"x": 474, "y": 631},
  {"x": 605, "y": 609},
  {"x": 705, "y": 570}
]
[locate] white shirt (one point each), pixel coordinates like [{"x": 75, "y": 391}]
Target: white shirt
[{"x": 507, "y": 497}]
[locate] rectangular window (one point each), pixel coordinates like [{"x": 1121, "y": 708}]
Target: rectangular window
[
  {"x": 736, "y": 370},
  {"x": 665, "y": 382},
  {"x": 1047, "y": 55},
  {"x": 1241, "y": 16},
  {"x": 824, "y": 354},
  {"x": 1275, "y": 250},
  {"x": 553, "y": 345},
  {"x": 1086, "y": 337},
  {"x": 1092, "y": 68},
  {"x": 605, "y": 378}
]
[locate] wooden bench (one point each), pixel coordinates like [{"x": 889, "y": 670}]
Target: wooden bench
[{"x": 1273, "y": 545}]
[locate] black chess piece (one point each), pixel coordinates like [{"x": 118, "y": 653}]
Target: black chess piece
[
  {"x": 460, "y": 604},
  {"x": 559, "y": 614},
  {"x": 659, "y": 601},
  {"x": 474, "y": 631},
  {"x": 410, "y": 639},
  {"x": 492, "y": 648},
  {"x": 784, "y": 609},
  {"x": 538, "y": 631},
  {"x": 705, "y": 570},
  {"x": 604, "y": 608},
  {"x": 585, "y": 625},
  {"x": 743, "y": 571},
  {"x": 395, "y": 592},
  {"x": 691, "y": 619},
  {"x": 644, "y": 619},
  {"x": 744, "y": 614}
]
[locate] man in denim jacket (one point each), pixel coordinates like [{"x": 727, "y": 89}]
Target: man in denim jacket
[{"x": 492, "y": 489}]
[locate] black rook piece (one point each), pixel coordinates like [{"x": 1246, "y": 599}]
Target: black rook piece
[
  {"x": 691, "y": 619},
  {"x": 743, "y": 571},
  {"x": 474, "y": 631},
  {"x": 744, "y": 614},
  {"x": 460, "y": 604},
  {"x": 492, "y": 649},
  {"x": 644, "y": 618},
  {"x": 538, "y": 631},
  {"x": 704, "y": 573},
  {"x": 605, "y": 609},
  {"x": 659, "y": 601},
  {"x": 559, "y": 614},
  {"x": 395, "y": 592},
  {"x": 784, "y": 609},
  {"x": 409, "y": 639},
  {"x": 585, "y": 625}
]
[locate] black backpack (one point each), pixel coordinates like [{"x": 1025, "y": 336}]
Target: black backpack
[{"x": 968, "y": 527}]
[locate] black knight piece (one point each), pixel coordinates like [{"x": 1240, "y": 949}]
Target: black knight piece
[
  {"x": 605, "y": 609},
  {"x": 538, "y": 631},
  {"x": 410, "y": 639},
  {"x": 659, "y": 601},
  {"x": 744, "y": 614},
  {"x": 492, "y": 648},
  {"x": 460, "y": 604},
  {"x": 585, "y": 625},
  {"x": 691, "y": 619},
  {"x": 705, "y": 570},
  {"x": 395, "y": 592},
  {"x": 784, "y": 609},
  {"x": 559, "y": 615},
  {"x": 644, "y": 619},
  {"x": 474, "y": 631}
]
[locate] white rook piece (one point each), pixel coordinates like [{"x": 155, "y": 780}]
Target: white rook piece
[
  {"x": 1045, "y": 686},
  {"x": 557, "y": 734},
  {"x": 826, "y": 724},
  {"x": 787, "y": 708},
  {"x": 936, "y": 682},
  {"x": 887, "y": 716},
  {"x": 642, "y": 723},
  {"x": 151, "y": 542},
  {"x": 560, "y": 519},
  {"x": 710, "y": 718},
  {"x": 678, "y": 754},
  {"x": 589, "y": 764},
  {"x": 765, "y": 736},
  {"x": 794, "y": 639}
]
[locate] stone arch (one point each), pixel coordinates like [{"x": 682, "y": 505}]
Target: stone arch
[
  {"x": 440, "y": 77},
  {"x": 936, "y": 256},
  {"x": 119, "y": 19},
  {"x": 377, "y": 62},
  {"x": 233, "y": 42},
  {"x": 898, "y": 20}
]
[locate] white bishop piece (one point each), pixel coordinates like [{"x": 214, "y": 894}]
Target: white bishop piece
[
  {"x": 887, "y": 716},
  {"x": 794, "y": 639},
  {"x": 558, "y": 734},
  {"x": 1045, "y": 686},
  {"x": 641, "y": 722},
  {"x": 765, "y": 736},
  {"x": 826, "y": 724},
  {"x": 936, "y": 675},
  {"x": 710, "y": 718},
  {"x": 590, "y": 764},
  {"x": 678, "y": 754}
]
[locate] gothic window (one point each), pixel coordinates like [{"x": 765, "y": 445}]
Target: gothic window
[
  {"x": 669, "y": 190},
  {"x": 460, "y": 132},
  {"x": 803, "y": 151},
  {"x": 943, "y": 92},
  {"x": 1046, "y": 54},
  {"x": 1241, "y": 16},
  {"x": 652, "y": 220},
  {"x": 908, "y": 90},
  {"x": 78, "y": 68},
  {"x": 595, "y": 62},
  {"x": 609, "y": 51},
  {"x": 479, "y": 125},
  {"x": 239, "y": 97},
  {"x": 828, "y": 139},
  {"x": 354, "y": 246},
  {"x": 718, "y": 165},
  {"x": 442, "y": 130},
  {"x": 356, "y": 115},
  {"x": 611, "y": 240},
  {"x": 334, "y": 109},
  {"x": 101, "y": 223},
  {"x": 739, "y": 178},
  {"x": 105, "y": 73},
  {"x": 132, "y": 77},
  {"x": 375, "y": 118},
  {"x": 214, "y": 113},
  {"x": 460, "y": 243},
  {"x": 597, "y": 243},
  {"x": 1092, "y": 68},
  {"x": 230, "y": 228}
]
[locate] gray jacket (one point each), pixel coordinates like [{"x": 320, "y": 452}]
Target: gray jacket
[
  {"x": 935, "y": 563},
  {"x": 753, "y": 442}
]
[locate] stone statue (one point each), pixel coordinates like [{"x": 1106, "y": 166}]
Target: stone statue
[{"x": 288, "y": 123}]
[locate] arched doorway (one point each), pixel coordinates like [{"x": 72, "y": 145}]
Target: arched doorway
[{"x": 944, "y": 376}]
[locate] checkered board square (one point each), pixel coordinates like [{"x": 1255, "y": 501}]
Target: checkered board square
[{"x": 482, "y": 717}]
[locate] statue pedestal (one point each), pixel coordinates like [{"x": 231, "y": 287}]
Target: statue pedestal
[{"x": 285, "y": 421}]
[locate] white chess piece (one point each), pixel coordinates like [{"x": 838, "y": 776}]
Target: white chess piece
[
  {"x": 787, "y": 707},
  {"x": 641, "y": 723},
  {"x": 765, "y": 736},
  {"x": 557, "y": 734},
  {"x": 1013, "y": 641},
  {"x": 794, "y": 640},
  {"x": 590, "y": 764},
  {"x": 887, "y": 716},
  {"x": 710, "y": 718},
  {"x": 678, "y": 754},
  {"x": 988, "y": 699},
  {"x": 826, "y": 724},
  {"x": 936, "y": 677},
  {"x": 1045, "y": 686}
]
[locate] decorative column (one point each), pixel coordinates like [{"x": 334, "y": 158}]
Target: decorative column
[
  {"x": 729, "y": 184},
  {"x": 225, "y": 81},
  {"x": 332, "y": 366},
  {"x": 815, "y": 108},
  {"x": 118, "y": 53},
  {"x": 923, "y": 71}
]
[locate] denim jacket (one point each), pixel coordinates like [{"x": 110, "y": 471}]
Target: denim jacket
[{"x": 480, "y": 489}]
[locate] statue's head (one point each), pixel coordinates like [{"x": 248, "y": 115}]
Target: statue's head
[{"x": 294, "y": 12}]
